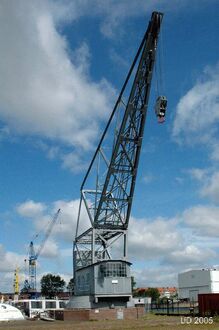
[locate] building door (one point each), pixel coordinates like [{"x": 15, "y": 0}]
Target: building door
[{"x": 193, "y": 295}]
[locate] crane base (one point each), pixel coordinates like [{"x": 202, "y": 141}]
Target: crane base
[
  {"x": 75, "y": 314},
  {"x": 93, "y": 302}
]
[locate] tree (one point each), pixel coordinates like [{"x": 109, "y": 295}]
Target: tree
[
  {"x": 140, "y": 292},
  {"x": 70, "y": 286},
  {"x": 153, "y": 293},
  {"x": 51, "y": 285},
  {"x": 147, "y": 292}
]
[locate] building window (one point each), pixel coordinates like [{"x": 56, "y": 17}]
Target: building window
[
  {"x": 113, "y": 269},
  {"x": 62, "y": 304},
  {"x": 36, "y": 304},
  {"x": 50, "y": 304},
  {"x": 84, "y": 282}
]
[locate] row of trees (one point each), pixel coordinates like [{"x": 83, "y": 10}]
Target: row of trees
[
  {"x": 150, "y": 292},
  {"x": 52, "y": 285}
]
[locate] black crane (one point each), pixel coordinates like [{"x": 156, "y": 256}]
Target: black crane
[{"x": 108, "y": 187}]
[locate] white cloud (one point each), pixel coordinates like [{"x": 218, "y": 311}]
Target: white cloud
[
  {"x": 203, "y": 220},
  {"x": 197, "y": 112},
  {"x": 170, "y": 245},
  {"x": 119, "y": 60},
  {"x": 179, "y": 180},
  {"x": 208, "y": 179},
  {"x": 215, "y": 151},
  {"x": 30, "y": 209},
  {"x": 66, "y": 252},
  {"x": 159, "y": 276},
  {"x": 114, "y": 13},
  {"x": 147, "y": 178},
  {"x": 74, "y": 162},
  {"x": 65, "y": 225},
  {"x": 198, "y": 173},
  {"x": 196, "y": 122},
  {"x": 46, "y": 90},
  {"x": 4, "y": 133},
  {"x": 191, "y": 255},
  {"x": 162, "y": 245},
  {"x": 43, "y": 89},
  {"x": 68, "y": 219},
  {"x": 52, "y": 152},
  {"x": 147, "y": 239},
  {"x": 10, "y": 260},
  {"x": 49, "y": 250},
  {"x": 154, "y": 239},
  {"x": 211, "y": 187}
]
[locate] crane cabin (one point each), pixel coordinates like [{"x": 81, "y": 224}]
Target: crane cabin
[{"x": 160, "y": 108}]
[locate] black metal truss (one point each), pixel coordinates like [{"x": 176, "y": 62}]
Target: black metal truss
[{"x": 108, "y": 201}]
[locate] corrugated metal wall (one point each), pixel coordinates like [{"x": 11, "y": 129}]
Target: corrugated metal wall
[{"x": 208, "y": 304}]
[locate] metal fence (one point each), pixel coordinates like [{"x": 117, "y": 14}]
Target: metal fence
[{"x": 171, "y": 307}]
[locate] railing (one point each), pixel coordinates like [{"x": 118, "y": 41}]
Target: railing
[{"x": 171, "y": 307}]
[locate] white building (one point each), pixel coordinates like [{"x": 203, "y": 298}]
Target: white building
[{"x": 193, "y": 282}]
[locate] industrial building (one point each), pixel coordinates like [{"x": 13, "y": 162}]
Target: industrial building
[{"x": 194, "y": 282}]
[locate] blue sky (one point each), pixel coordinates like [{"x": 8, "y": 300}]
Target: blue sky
[{"x": 62, "y": 65}]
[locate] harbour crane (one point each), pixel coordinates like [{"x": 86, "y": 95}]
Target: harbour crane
[
  {"x": 33, "y": 256},
  {"x": 108, "y": 187}
]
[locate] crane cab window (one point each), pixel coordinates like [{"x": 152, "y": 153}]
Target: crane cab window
[{"x": 113, "y": 269}]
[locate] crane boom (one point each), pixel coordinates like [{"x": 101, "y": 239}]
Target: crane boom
[
  {"x": 123, "y": 166},
  {"x": 48, "y": 232}
]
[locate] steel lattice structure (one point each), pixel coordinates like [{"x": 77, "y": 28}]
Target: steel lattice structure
[{"x": 108, "y": 187}]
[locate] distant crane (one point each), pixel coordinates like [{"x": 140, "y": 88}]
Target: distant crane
[
  {"x": 33, "y": 256},
  {"x": 16, "y": 281}
]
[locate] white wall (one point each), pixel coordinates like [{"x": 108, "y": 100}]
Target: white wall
[
  {"x": 215, "y": 281},
  {"x": 193, "y": 282}
]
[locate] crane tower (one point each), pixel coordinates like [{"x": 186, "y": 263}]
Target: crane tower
[
  {"x": 33, "y": 256},
  {"x": 100, "y": 261},
  {"x": 16, "y": 284}
]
